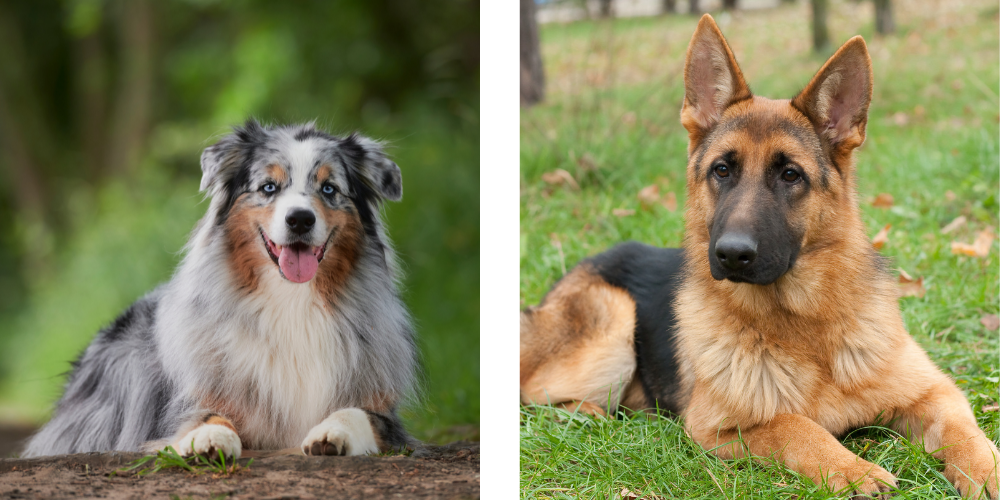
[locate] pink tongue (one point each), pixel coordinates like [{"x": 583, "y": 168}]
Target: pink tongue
[{"x": 298, "y": 263}]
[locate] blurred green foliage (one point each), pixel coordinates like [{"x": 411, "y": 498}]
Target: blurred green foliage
[{"x": 85, "y": 82}]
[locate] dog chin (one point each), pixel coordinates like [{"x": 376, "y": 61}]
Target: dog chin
[{"x": 753, "y": 279}]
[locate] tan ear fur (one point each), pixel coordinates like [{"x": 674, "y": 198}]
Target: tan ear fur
[
  {"x": 836, "y": 100},
  {"x": 712, "y": 80}
]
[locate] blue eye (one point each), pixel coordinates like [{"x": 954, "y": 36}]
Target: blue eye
[
  {"x": 269, "y": 188},
  {"x": 327, "y": 189}
]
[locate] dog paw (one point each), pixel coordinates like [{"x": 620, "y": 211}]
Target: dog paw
[
  {"x": 972, "y": 485},
  {"x": 971, "y": 489},
  {"x": 345, "y": 432},
  {"x": 979, "y": 472},
  {"x": 864, "y": 480},
  {"x": 207, "y": 440}
]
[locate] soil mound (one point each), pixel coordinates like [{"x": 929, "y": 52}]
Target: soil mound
[{"x": 450, "y": 471}]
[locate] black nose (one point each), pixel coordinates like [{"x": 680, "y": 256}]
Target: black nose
[
  {"x": 300, "y": 221},
  {"x": 736, "y": 251}
]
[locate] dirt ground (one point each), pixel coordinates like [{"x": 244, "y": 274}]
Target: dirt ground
[{"x": 450, "y": 471}]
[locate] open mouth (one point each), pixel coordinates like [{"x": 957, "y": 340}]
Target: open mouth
[{"x": 297, "y": 262}]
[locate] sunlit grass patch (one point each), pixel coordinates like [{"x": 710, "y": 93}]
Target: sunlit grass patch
[
  {"x": 611, "y": 121},
  {"x": 168, "y": 458}
]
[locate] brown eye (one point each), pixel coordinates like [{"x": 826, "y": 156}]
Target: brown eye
[
  {"x": 721, "y": 170},
  {"x": 789, "y": 175}
]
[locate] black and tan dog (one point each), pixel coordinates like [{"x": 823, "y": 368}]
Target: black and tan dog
[{"x": 777, "y": 322}]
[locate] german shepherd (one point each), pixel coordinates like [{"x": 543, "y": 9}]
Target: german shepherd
[{"x": 776, "y": 327}]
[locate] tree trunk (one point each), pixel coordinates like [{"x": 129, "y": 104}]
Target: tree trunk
[
  {"x": 884, "y": 23},
  {"x": 729, "y": 4},
  {"x": 27, "y": 151},
  {"x": 532, "y": 74},
  {"x": 606, "y": 11},
  {"x": 821, "y": 37},
  {"x": 131, "y": 115},
  {"x": 669, "y": 6},
  {"x": 91, "y": 82},
  {"x": 21, "y": 170},
  {"x": 693, "y": 7}
]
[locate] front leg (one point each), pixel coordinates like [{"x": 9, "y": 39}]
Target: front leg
[
  {"x": 803, "y": 446},
  {"x": 208, "y": 436},
  {"x": 943, "y": 420},
  {"x": 354, "y": 431}
]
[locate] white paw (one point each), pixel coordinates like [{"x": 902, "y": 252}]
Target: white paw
[
  {"x": 346, "y": 432},
  {"x": 209, "y": 440}
]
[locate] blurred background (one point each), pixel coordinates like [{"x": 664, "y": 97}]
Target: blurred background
[{"x": 105, "y": 106}]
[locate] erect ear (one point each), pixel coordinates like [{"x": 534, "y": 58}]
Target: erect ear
[
  {"x": 377, "y": 170},
  {"x": 220, "y": 161},
  {"x": 215, "y": 160},
  {"x": 836, "y": 100},
  {"x": 712, "y": 80}
]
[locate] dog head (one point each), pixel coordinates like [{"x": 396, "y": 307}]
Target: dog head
[
  {"x": 295, "y": 200},
  {"x": 766, "y": 176}
]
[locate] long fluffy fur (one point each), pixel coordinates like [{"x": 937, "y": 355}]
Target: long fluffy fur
[{"x": 273, "y": 356}]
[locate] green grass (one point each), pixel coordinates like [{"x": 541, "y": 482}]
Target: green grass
[
  {"x": 168, "y": 458},
  {"x": 612, "y": 121}
]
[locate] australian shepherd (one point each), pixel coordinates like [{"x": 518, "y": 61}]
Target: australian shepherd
[{"x": 282, "y": 327}]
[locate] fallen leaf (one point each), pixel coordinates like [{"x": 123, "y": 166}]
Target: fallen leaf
[
  {"x": 670, "y": 202},
  {"x": 623, "y": 212},
  {"x": 949, "y": 194},
  {"x": 990, "y": 321},
  {"x": 881, "y": 238},
  {"x": 883, "y": 200},
  {"x": 991, "y": 407},
  {"x": 978, "y": 248},
  {"x": 909, "y": 287},
  {"x": 586, "y": 162},
  {"x": 649, "y": 196},
  {"x": 984, "y": 240},
  {"x": 900, "y": 118},
  {"x": 953, "y": 225},
  {"x": 558, "y": 177},
  {"x": 628, "y": 494},
  {"x": 959, "y": 248},
  {"x": 904, "y": 277}
]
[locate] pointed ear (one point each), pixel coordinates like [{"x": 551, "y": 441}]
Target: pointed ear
[
  {"x": 220, "y": 161},
  {"x": 712, "y": 80},
  {"x": 216, "y": 160},
  {"x": 836, "y": 100},
  {"x": 378, "y": 171}
]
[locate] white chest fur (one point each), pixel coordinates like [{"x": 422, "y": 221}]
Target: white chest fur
[{"x": 270, "y": 361}]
